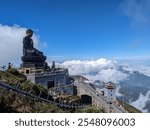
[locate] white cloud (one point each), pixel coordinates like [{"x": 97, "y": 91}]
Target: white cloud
[
  {"x": 141, "y": 65},
  {"x": 137, "y": 10},
  {"x": 118, "y": 94},
  {"x": 144, "y": 69},
  {"x": 11, "y": 43},
  {"x": 101, "y": 69},
  {"x": 141, "y": 102}
]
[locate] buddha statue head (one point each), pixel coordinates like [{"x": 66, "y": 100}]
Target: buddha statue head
[{"x": 29, "y": 32}]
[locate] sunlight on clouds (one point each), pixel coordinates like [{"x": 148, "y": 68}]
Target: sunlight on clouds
[{"x": 101, "y": 69}]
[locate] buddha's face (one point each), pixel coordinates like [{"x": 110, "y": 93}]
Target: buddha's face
[{"x": 30, "y": 34}]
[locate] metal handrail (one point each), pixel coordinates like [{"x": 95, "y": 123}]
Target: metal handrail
[{"x": 17, "y": 90}]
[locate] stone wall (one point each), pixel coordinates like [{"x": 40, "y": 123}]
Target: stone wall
[
  {"x": 97, "y": 100},
  {"x": 60, "y": 81},
  {"x": 44, "y": 78}
]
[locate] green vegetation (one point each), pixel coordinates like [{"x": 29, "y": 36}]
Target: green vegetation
[
  {"x": 90, "y": 109},
  {"x": 129, "y": 108},
  {"x": 15, "y": 74},
  {"x": 12, "y": 102},
  {"x": 68, "y": 98},
  {"x": 14, "y": 78}
]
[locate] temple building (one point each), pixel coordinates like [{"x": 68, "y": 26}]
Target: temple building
[
  {"x": 36, "y": 69},
  {"x": 109, "y": 92}
]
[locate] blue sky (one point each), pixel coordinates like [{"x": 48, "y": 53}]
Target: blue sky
[{"x": 84, "y": 29}]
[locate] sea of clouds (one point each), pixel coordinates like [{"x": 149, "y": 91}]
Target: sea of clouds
[
  {"x": 100, "y": 69},
  {"x": 107, "y": 70}
]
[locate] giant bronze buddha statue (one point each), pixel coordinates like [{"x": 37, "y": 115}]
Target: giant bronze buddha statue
[{"x": 31, "y": 56}]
